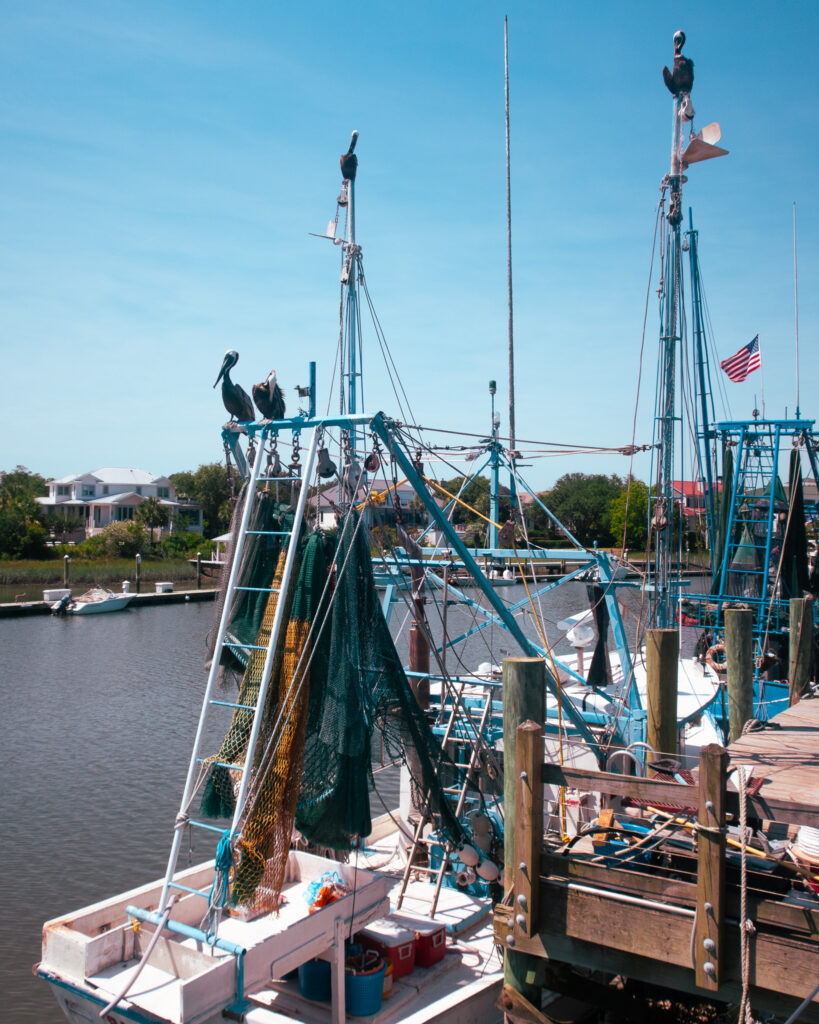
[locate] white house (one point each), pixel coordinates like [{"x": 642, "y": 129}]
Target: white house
[
  {"x": 323, "y": 504},
  {"x": 111, "y": 495}
]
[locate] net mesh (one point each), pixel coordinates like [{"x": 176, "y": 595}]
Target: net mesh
[{"x": 336, "y": 678}]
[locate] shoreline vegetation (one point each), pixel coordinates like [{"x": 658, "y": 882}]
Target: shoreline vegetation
[{"x": 24, "y": 581}]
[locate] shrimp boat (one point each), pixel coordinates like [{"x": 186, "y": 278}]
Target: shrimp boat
[{"x": 304, "y": 679}]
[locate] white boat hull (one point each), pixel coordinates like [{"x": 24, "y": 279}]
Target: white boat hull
[{"x": 111, "y": 604}]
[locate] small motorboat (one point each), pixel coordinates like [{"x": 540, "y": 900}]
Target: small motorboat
[{"x": 92, "y": 602}]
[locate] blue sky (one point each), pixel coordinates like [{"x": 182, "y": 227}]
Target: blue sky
[{"x": 164, "y": 163}]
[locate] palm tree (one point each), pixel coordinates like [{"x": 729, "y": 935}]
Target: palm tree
[{"x": 151, "y": 513}]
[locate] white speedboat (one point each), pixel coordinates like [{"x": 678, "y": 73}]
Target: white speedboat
[{"x": 93, "y": 602}]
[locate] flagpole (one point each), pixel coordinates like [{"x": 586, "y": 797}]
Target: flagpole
[
  {"x": 796, "y": 308},
  {"x": 761, "y": 375}
]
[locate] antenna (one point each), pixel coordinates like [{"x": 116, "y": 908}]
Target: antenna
[
  {"x": 796, "y": 308},
  {"x": 509, "y": 268}
]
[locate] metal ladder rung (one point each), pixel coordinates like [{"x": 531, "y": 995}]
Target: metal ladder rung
[
  {"x": 230, "y": 704},
  {"x": 278, "y": 480},
  {"x": 223, "y": 764},
  {"x": 245, "y": 647},
  {"x": 268, "y": 533},
  {"x": 205, "y": 825},
  {"x": 187, "y": 888},
  {"x": 257, "y": 590}
]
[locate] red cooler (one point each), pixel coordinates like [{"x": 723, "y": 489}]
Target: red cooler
[
  {"x": 392, "y": 939},
  {"x": 430, "y": 938}
]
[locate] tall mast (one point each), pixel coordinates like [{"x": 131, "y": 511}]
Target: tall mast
[
  {"x": 512, "y": 453},
  {"x": 679, "y": 82},
  {"x": 494, "y": 463},
  {"x": 663, "y": 612},
  {"x": 796, "y": 309},
  {"x": 350, "y": 278},
  {"x": 705, "y": 434}
]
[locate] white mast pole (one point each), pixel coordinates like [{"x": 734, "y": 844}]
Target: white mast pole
[
  {"x": 509, "y": 266},
  {"x": 796, "y": 309}
]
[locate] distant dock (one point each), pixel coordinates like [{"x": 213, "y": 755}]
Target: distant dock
[{"x": 17, "y": 610}]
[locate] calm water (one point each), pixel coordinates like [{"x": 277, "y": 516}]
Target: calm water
[{"x": 98, "y": 719}]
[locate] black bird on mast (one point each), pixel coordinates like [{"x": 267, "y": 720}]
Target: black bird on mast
[
  {"x": 269, "y": 398},
  {"x": 681, "y": 79},
  {"x": 349, "y": 161},
  {"x": 235, "y": 398}
]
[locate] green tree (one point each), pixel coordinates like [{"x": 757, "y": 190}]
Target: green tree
[
  {"x": 476, "y": 495},
  {"x": 582, "y": 502},
  {"x": 151, "y": 514},
  {"x": 209, "y": 486},
  {"x": 22, "y": 533},
  {"x": 123, "y": 539},
  {"x": 636, "y": 526}
]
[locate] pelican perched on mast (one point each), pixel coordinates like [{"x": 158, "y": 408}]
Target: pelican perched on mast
[
  {"x": 235, "y": 398},
  {"x": 269, "y": 398}
]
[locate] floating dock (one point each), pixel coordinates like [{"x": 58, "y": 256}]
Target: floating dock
[{"x": 20, "y": 609}]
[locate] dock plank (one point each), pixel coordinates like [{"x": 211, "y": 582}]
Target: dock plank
[{"x": 786, "y": 756}]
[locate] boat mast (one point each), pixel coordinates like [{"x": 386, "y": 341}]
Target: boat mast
[
  {"x": 494, "y": 463},
  {"x": 350, "y": 278},
  {"x": 705, "y": 434},
  {"x": 512, "y": 452},
  {"x": 663, "y": 518}
]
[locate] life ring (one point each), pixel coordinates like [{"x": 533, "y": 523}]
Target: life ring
[{"x": 718, "y": 665}]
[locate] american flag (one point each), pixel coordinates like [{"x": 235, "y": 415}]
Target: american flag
[{"x": 746, "y": 360}]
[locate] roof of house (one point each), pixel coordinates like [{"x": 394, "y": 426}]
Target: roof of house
[{"x": 137, "y": 477}]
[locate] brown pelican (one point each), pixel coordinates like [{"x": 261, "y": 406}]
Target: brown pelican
[
  {"x": 269, "y": 398},
  {"x": 235, "y": 398},
  {"x": 349, "y": 161},
  {"x": 681, "y": 79}
]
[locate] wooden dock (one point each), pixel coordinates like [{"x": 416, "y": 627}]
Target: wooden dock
[
  {"x": 21, "y": 609},
  {"x": 671, "y": 918}
]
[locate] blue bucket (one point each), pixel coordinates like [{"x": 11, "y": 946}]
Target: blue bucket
[
  {"x": 314, "y": 981},
  {"x": 363, "y": 992}
]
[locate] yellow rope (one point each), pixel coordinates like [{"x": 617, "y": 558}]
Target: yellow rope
[
  {"x": 542, "y": 633},
  {"x": 379, "y": 497},
  {"x": 460, "y": 501}
]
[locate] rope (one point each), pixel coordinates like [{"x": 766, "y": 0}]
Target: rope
[
  {"x": 746, "y": 926},
  {"x": 220, "y": 890}
]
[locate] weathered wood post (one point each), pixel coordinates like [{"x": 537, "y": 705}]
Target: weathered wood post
[
  {"x": 524, "y": 700},
  {"x": 739, "y": 668},
  {"x": 800, "y": 646},
  {"x": 66, "y": 569},
  {"x": 708, "y": 938},
  {"x": 528, "y": 838},
  {"x": 662, "y": 662},
  {"x": 138, "y": 571},
  {"x": 198, "y": 570}
]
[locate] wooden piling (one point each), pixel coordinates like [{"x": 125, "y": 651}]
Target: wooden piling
[
  {"x": 739, "y": 668},
  {"x": 198, "y": 570},
  {"x": 528, "y": 837},
  {"x": 138, "y": 571},
  {"x": 66, "y": 569},
  {"x": 800, "y": 646},
  {"x": 662, "y": 665},
  {"x": 708, "y": 937},
  {"x": 524, "y": 700}
]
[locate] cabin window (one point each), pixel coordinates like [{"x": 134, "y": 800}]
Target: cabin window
[
  {"x": 63, "y": 490},
  {"x": 88, "y": 490},
  {"x": 97, "y": 516},
  {"x": 162, "y": 492},
  {"x": 139, "y": 490},
  {"x": 105, "y": 488}
]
